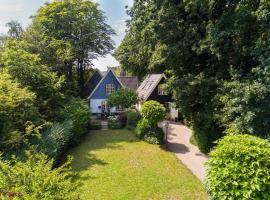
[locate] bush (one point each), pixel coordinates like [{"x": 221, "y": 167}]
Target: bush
[
  {"x": 36, "y": 179},
  {"x": 152, "y": 135},
  {"x": 56, "y": 139},
  {"x": 133, "y": 118},
  {"x": 153, "y": 111},
  {"x": 122, "y": 118},
  {"x": 17, "y": 111},
  {"x": 114, "y": 123},
  {"x": 143, "y": 128},
  {"x": 79, "y": 112},
  {"x": 95, "y": 125},
  {"x": 239, "y": 168}
]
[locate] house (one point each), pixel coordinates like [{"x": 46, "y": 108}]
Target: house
[
  {"x": 101, "y": 85},
  {"x": 153, "y": 88}
]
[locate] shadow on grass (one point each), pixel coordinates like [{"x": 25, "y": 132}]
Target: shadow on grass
[{"x": 84, "y": 156}]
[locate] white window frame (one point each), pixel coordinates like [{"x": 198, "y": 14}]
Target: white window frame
[
  {"x": 162, "y": 91},
  {"x": 110, "y": 88}
]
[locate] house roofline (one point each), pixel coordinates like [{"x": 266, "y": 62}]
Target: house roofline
[
  {"x": 151, "y": 91},
  {"x": 102, "y": 80}
]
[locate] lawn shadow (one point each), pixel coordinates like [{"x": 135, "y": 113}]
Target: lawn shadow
[{"x": 83, "y": 158}]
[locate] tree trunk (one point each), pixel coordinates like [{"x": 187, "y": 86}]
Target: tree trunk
[
  {"x": 70, "y": 73},
  {"x": 81, "y": 77}
]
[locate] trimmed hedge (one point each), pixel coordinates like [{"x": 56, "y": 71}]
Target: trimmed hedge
[{"x": 239, "y": 168}]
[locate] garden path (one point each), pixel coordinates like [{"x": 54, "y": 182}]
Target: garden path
[
  {"x": 104, "y": 125},
  {"x": 190, "y": 155}
]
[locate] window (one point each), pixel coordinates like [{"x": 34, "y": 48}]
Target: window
[
  {"x": 162, "y": 90},
  {"x": 110, "y": 88}
]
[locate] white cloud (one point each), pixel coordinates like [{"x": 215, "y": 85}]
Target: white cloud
[{"x": 11, "y": 7}]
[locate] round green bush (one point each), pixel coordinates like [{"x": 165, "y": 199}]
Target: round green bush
[
  {"x": 153, "y": 111},
  {"x": 239, "y": 168}
]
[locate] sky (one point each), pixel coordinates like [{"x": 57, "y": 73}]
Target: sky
[{"x": 114, "y": 10}]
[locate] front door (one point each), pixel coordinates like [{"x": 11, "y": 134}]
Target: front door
[{"x": 104, "y": 106}]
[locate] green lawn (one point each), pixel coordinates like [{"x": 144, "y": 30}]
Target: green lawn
[{"x": 116, "y": 165}]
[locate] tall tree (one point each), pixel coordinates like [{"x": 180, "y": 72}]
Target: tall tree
[
  {"x": 15, "y": 29},
  {"x": 78, "y": 24},
  {"x": 198, "y": 43}
]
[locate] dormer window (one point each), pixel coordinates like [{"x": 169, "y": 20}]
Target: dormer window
[
  {"x": 162, "y": 90},
  {"x": 110, "y": 88}
]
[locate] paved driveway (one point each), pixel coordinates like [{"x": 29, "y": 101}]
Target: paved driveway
[{"x": 178, "y": 142}]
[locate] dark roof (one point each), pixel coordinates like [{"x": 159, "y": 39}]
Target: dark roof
[
  {"x": 130, "y": 82},
  {"x": 93, "y": 82},
  {"x": 148, "y": 85}
]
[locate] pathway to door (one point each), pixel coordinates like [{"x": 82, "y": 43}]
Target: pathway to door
[
  {"x": 190, "y": 155},
  {"x": 104, "y": 125}
]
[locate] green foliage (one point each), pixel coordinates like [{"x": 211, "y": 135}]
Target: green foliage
[
  {"x": 27, "y": 70},
  {"x": 56, "y": 139},
  {"x": 154, "y": 136},
  {"x": 153, "y": 111},
  {"x": 79, "y": 26},
  {"x": 245, "y": 104},
  {"x": 79, "y": 112},
  {"x": 114, "y": 123},
  {"x": 197, "y": 44},
  {"x": 133, "y": 118},
  {"x": 95, "y": 125},
  {"x": 16, "y": 111},
  {"x": 148, "y": 133},
  {"x": 239, "y": 168},
  {"x": 36, "y": 179},
  {"x": 143, "y": 127},
  {"x": 123, "y": 97}
]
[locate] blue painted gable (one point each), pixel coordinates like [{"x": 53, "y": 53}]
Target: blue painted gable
[{"x": 100, "y": 92}]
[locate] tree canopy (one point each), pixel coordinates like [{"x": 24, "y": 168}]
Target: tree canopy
[{"x": 198, "y": 44}]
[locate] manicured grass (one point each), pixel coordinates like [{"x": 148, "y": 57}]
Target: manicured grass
[{"x": 115, "y": 165}]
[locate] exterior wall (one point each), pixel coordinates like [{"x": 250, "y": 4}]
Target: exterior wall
[
  {"x": 160, "y": 98},
  {"x": 173, "y": 112},
  {"x": 139, "y": 106},
  {"x": 100, "y": 92},
  {"x": 95, "y": 103},
  {"x": 92, "y": 83}
]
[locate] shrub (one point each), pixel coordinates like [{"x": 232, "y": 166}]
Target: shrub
[
  {"x": 36, "y": 179},
  {"x": 143, "y": 128},
  {"x": 239, "y": 168},
  {"x": 79, "y": 112},
  {"x": 154, "y": 136},
  {"x": 17, "y": 111},
  {"x": 153, "y": 111},
  {"x": 56, "y": 139},
  {"x": 122, "y": 117},
  {"x": 133, "y": 118},
  {"x": 114, "y": 123},
  {"x": 95, "y": 125}
]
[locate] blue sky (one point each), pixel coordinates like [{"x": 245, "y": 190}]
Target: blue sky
[{"x": 21, "y": 10}]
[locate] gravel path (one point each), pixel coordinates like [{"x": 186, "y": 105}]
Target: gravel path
[{"x": 178, "y": 142}]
